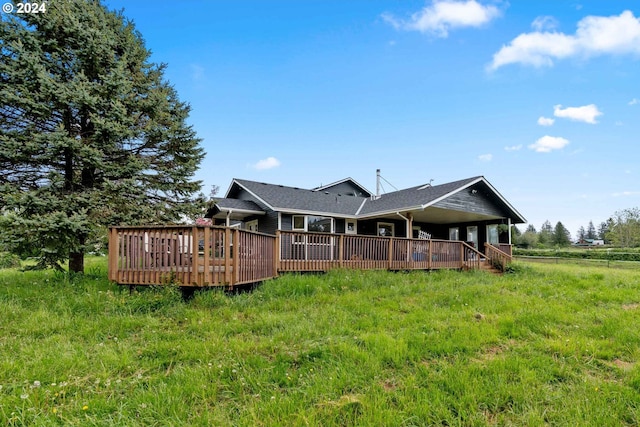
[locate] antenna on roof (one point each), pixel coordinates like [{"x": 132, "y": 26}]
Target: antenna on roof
[{"x": 379, "y": 183}]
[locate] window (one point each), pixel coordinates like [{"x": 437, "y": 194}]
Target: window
[
  {"x": 454, "y": 233},
  {"x": 351, "y": 226},
  {"x": 319, "y": 224},
  {"x": 416, "y": 231},
  {"x": 298, "y": 223},
  {"x": 492, "y": 234},
  {"x": 385, "y": 229},
  {"x": 472, "y": 235},
  {"x": 252, "y": 225},
  {"x": 316, "y": 224}
]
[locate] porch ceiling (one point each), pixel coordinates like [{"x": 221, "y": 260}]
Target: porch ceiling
[{"x": 445, "y": 216}]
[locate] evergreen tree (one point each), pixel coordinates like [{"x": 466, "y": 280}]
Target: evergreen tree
[
  {"x": 545, "y": 236},
  {"x": 604, "y": 228},
  {"x": 90, "y": 133},
  {"x": 561, "y": 235},
  {"x": 582, "y": 234},
  {"x": 531, "y": 229},
  {"x": 591, "y": 231}
]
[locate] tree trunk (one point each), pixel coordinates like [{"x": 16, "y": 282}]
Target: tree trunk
[
  {"x": 76, "y": 259},
  {"x": 76, "y": 262}
]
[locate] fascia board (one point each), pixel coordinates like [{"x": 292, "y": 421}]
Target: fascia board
[
  {"x": 244, "y": 211},
  {"x": 390, "y": 211}
]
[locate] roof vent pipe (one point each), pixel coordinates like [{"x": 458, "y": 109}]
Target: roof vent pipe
[{"x": 377, "y": 183}]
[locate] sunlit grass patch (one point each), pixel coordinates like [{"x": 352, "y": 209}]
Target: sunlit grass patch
[{"x": 545, "y": 344}]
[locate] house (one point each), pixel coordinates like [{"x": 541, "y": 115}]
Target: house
[
  {"x": 470, "y": 210},
  {"x": 589, "y": 242}
]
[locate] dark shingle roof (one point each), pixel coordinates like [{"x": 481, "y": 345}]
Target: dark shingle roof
[
  {"x": 412, "y": 197},
  {"x": 283, "y": 198}
]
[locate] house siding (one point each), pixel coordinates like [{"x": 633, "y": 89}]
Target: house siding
[
  {"x": 346, "y": 189},
  {"x": 467, "y": 202}
]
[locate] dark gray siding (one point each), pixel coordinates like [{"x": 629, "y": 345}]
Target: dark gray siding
[
  {"x": 346, "y": 189},
  {"x": 467, "y": 201}
]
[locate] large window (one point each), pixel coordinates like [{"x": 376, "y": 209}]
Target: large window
[
  {"x": 454, "y": 233},
  {"x": 320, "y": 224},
  {"x": 492, "y": 234},
  {"x": 317, "y": 224}
]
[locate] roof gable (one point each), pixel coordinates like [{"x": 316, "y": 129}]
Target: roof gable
[{"x": 347, "y": 186}]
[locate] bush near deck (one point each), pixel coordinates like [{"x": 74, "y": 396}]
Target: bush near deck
[{"x": 546, "y": 345}]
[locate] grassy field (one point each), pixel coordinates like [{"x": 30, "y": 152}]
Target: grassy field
[{"x": 545, "y": 345}]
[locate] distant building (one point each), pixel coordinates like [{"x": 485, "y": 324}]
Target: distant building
[{"x": 590, "y": 242}]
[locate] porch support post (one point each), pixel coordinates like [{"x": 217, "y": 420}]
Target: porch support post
[
  {"x": 509, "y": 233},
  {"x": 228, "y": 221}
]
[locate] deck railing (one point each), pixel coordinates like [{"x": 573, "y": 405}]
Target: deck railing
[
  {"x": 190, "y": 256},
  {"x": 221, "y": 256},
  {"x": 498, "y": 255}
]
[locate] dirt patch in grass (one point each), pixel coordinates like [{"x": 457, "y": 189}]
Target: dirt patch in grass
[{"x": 630, "y": 306}]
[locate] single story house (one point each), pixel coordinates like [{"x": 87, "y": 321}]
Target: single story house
[{"x": 470, "y": 210}]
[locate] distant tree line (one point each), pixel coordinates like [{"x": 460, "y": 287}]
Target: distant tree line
[{"x": 622, "y": 230}]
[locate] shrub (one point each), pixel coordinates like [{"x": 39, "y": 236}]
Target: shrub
[{"x": 8, "y": 260}]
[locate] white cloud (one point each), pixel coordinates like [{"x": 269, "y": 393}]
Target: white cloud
[
  {"x": 634, "y": 101},
  {"x": 545, "y": 121},
  {"x": 548, "y": 143},
  {"x": 595, "y": 35},
  {"x": 268, "y": 163},
  {"x": 513, "y": 147},
  {"x": 485, "y": 157},
  {"x": 626, "y": 193},
  {"x": 443, "y": 15},
  {"x": 542, "y": 23},
  {"x": 586, "y": 113}
]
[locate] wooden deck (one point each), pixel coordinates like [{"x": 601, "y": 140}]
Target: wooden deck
[{"x": 202, "y": 256}]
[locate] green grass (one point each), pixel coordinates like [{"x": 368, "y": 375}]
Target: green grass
[{"x": 546, "y": 345}]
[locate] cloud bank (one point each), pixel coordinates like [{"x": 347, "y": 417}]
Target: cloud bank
[{"x": 595, "y": 35}]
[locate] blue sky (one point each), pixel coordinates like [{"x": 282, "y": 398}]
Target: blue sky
[{"x": 541, "y": 98}]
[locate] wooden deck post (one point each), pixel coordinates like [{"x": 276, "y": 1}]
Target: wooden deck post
[
  {"x": 390, "y": 253},
  {"x": 429, "y": 254},
  {"x": 206, "y": 259},
  {"x": 113, "y": 254},
  {"x": 236, "y": 256},
  {"x": 341, "y": 251},
  {"x": 227, "y": 256},
  {"x": 461, "y": 254},
  {"x": 276, "y": 254}
]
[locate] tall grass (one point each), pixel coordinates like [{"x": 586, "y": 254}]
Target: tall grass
[{"x": 546, "y": 345}]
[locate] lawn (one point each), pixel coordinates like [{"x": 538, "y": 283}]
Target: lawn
[{"x": 544, "y": 345}]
